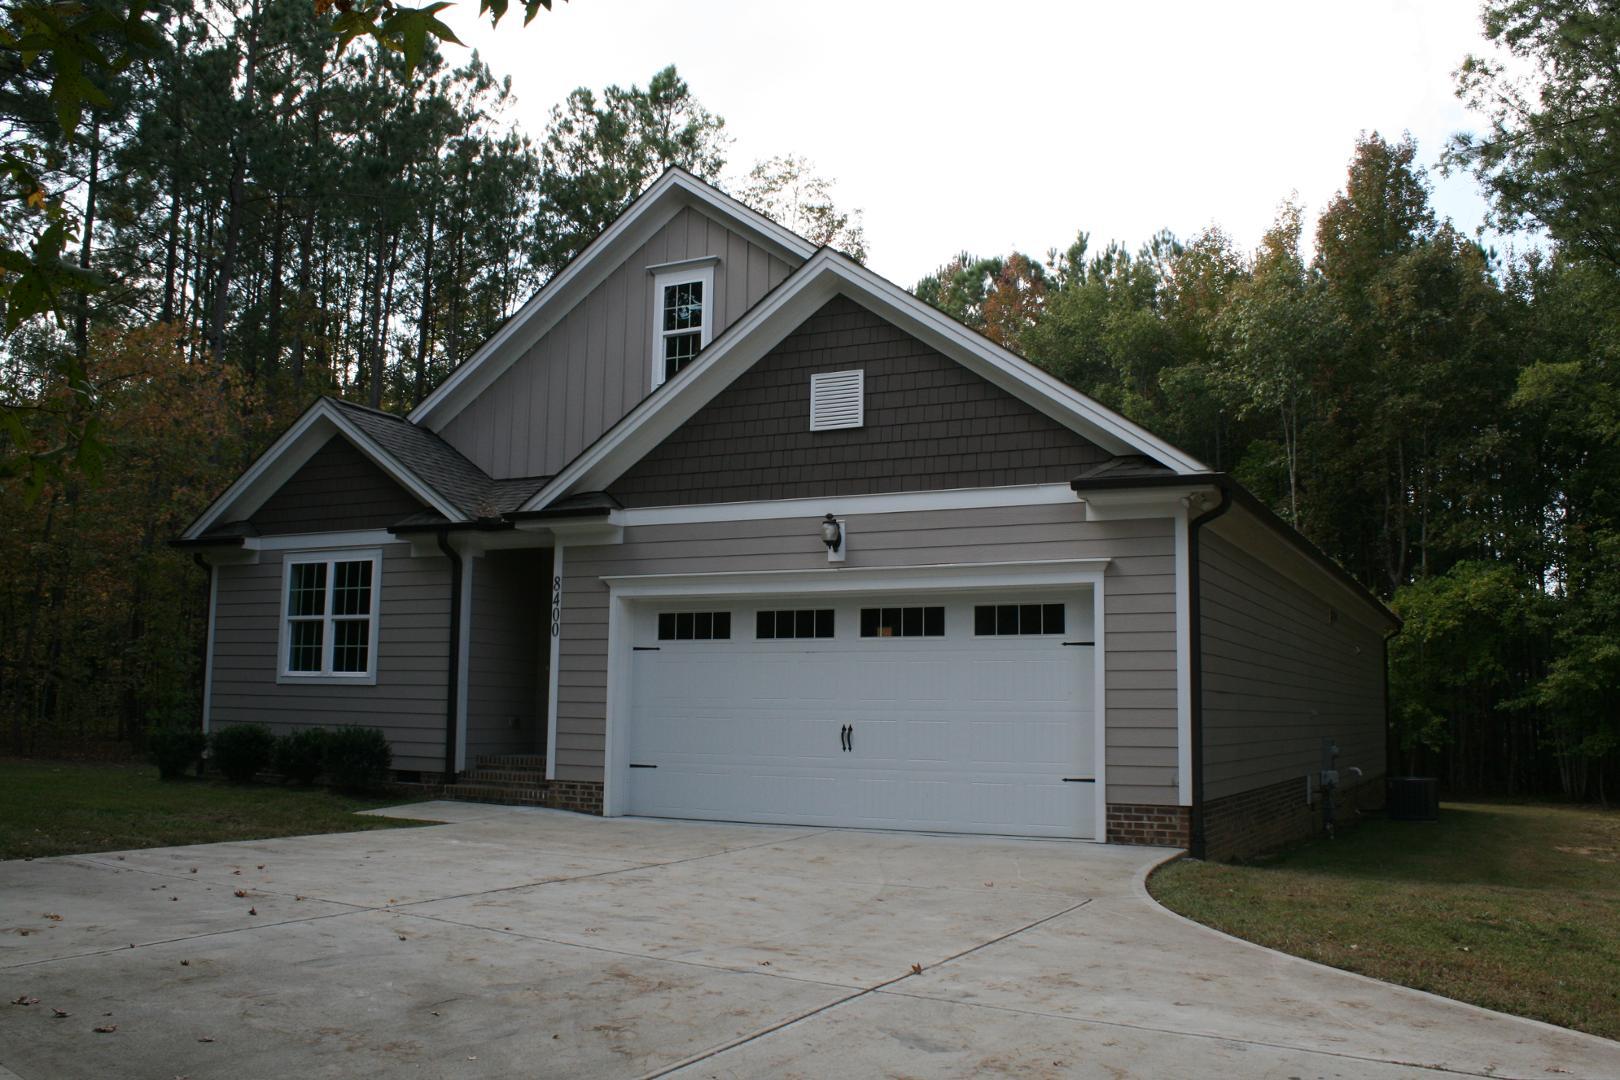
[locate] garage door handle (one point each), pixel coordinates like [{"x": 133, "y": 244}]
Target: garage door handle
[
  {"x": 1088, "y": 643},
  {"x": 1079, "y": 780},
  {"x": 633, "y": 765},
  {"x": 843, "y": 738}
]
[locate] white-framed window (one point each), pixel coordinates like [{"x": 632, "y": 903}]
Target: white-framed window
[
  {"x": 329, "y": 605},
  {"x": 683, "y": 319}
]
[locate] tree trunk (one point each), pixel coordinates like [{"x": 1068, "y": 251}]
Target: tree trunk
[
  {"x": 235, "y": 195},
  {"x": 81, "y": 331}
]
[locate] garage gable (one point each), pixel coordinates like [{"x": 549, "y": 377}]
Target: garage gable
[{"x": 929, "y": 424}]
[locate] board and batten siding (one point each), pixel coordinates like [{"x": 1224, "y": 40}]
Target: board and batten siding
[
  {"x": 408, "y": 701},
  {"x": 595, "y": 364},
  {"x": 1281, "y": 673},
  {"x": 1139, "y": 609},
  {"x": 507, "y": 653},
  {"x": 337, "y": 489}
]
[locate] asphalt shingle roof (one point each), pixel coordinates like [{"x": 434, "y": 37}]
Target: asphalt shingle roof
[{"x": 439, "y": 465}]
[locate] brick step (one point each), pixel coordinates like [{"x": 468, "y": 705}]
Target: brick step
[
  {"x": 505, "y": 794},
  {"x": 481, "y": 775},
  {"x": 511, "y": 761}
]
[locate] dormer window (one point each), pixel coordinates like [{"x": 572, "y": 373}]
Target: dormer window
[{"x": 682, "y": 318}]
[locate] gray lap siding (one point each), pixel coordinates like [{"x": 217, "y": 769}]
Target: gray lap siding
[
  {"x": 1280, "y": 675},
  {"x": 1139, "y": 609},
  {"x": 408, "y": 700}
]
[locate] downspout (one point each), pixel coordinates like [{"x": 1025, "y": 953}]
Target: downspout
[
  {"x": 1195, "y": 674},
  {"x": 452, "y": 690}
]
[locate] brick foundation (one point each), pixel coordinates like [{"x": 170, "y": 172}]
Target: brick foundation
[
  {"x": 1270, "y": 818},
  {"x": 1142, "y": 823},
  {"x": 580, "y": 796}
]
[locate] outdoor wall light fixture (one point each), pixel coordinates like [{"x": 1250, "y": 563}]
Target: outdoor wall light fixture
[{"x": 832, "y": 534}]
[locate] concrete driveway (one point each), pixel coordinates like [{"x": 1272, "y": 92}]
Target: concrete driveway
[{"x": 516, "y": 942}]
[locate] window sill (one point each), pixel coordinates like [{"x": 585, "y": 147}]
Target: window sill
[{"x": 313, "y": 679}]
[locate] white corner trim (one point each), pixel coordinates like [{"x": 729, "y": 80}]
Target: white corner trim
[
  {"x": 288, "y": 454},
  {"x": 676, "y": 189},
  {"x": 840, "y": 505},
  {"x": 757, "y": 330},
  {"x": 1184, "y": 702},
  {"x": 463, "y": 655},
  {"x": 554, "y": 637},
  {"x": 1099, "y": 658},
  {"x": 861, "y": 579},
  {"x": 208, "y": 650}
]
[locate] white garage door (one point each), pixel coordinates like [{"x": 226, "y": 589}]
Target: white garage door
[{"x": 953, "y": 714}]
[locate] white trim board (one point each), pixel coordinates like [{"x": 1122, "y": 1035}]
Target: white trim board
[
  {"x": 626, "y": 590},
  {"x": 1184, "y": 703},
  {"x": 759, "y": 329},
  {"x": 463, "y": 658},
  {"x": 671, "y": 192},
  {"x": 291, "y": 451},
  {"x": 838, "y": 505},
  {"x": 208, "y": 652},
  {"x": 554, "y": 637},
  {"x": 893, "y": 579}
]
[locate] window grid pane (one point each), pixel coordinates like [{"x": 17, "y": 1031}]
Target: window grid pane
[
  {"x": 995, "y": 620},
  {"x": 351, "y": 588},
  {"x": 903, "y": 622},
  {"x": 694, "y": 626},
  {"x": 679, "y": 349},
  {"x": 351, "y": 645},
  {"x": 787, "y": 625},
  {"x": 304, "y": 638},
  {"x": 306, "y": 590}
]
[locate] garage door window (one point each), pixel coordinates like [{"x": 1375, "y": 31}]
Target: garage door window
[
  {"x": 694, "y": 626},
  {"x": 902, "y": 622},
  {"x": 1017, "y": 620},
  {"x": 799, "y": 623}
]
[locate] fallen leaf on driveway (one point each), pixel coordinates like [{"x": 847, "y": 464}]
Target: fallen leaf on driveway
[
  {"x": 193, "y": 869},
  {"x": 105, "y": 1029},
  {"x": 241, "y": 892},
  {"x": 185, "y": 963},
  {"x": 205, "y": 1038},
  {"x": 59, "y": 1013},
  {"x": 25, "y": 1000},
  {"x": 261, "y": 866},
  {"x": 253, "y": 911},
  {"x": 916, "y": 969},
  {"x": 53, "y": 917}
]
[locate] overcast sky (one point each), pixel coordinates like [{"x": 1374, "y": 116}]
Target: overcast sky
[{"x": 999, "y": 125}]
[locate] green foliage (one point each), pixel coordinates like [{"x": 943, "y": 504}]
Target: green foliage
[
  {"x": 242, "y": 751},
  {"x": 358, "y": 759},
  {"x": 601, "y": 151},
  {"x": 175, "y": 749},
  {"x": 1550, "y": 154},
  {"x": 301, "y": 755}
]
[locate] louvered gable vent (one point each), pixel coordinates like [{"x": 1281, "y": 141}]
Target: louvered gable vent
[{"x": 837, "y": 400}]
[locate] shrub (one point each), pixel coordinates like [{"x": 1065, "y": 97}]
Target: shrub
[
  {"x": 358, "y": 758},
  {"x": 301, "y": 755},
  {"x": 243, "y": 751},
  {"x": 174, "y": 749}
]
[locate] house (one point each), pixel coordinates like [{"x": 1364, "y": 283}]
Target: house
[{"x": 721, "y": 525}]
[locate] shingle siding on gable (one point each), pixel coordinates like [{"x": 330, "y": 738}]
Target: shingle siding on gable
[
  {"x": 337, "y": 490},
  {"x": 930, "y": 424}
]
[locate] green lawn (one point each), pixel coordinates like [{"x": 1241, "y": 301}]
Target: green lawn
[
  {"x": 57, "y": 808},
  {"x": 1513, "y": 907}
]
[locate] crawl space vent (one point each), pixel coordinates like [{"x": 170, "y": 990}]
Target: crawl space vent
[{"x": 837, "y": 400}]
